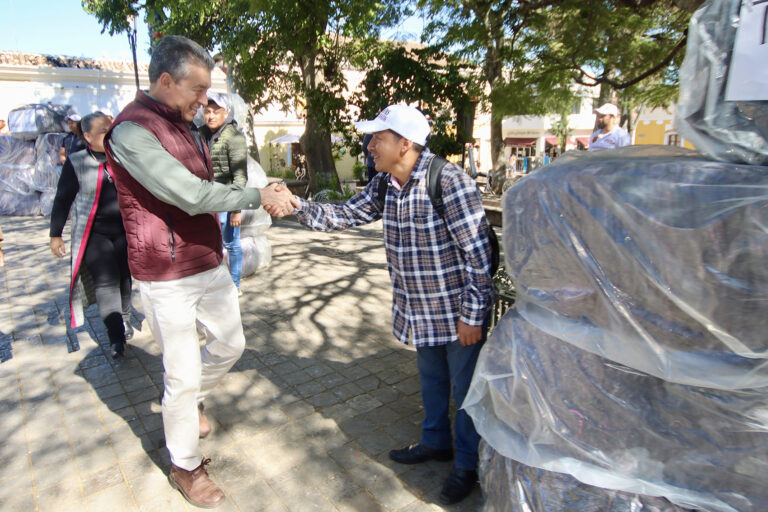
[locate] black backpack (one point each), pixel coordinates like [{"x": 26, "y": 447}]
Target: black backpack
[{"x": 434, "y": 172}]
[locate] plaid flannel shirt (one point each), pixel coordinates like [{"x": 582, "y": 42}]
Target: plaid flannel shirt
[{"x": 439, "y": 266}]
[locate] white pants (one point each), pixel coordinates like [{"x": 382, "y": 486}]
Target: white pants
[{"x": 172, "y": 309}]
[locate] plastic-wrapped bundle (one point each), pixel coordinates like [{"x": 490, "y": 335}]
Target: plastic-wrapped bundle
[
  {"x": 13, "y": 203},
  {"x": 725, "y": 130},
  {"x": 635, "y": 359},
  {"x": 257, "y": 251},
  {"x": 17, "y": 164},
  {"x": 255, "y": 222},
  {"x": 507, "y": 482},
  {"x": 46, "y": 202},
  {"x": 29, "y": 121},
  {"x": 47, "y": 163}
]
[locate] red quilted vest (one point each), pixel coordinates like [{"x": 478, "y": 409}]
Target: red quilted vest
[{"x": 164, "y": 242}]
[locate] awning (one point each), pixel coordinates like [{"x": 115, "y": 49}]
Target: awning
[
  {"x": 520, "y": 141},
  {"x": 584, "y": 141},
  {"x": 555, "y": 141},
  {"x": 286, "y": 139}
]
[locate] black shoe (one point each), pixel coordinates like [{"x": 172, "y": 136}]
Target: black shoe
[
  {"x": 118, "y": 351},
  {"x": 417, "y": 453},
  {"x": 128, "y": 330},
  {"x": 458, "y": 486}
]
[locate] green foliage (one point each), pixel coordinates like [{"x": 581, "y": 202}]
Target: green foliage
[
  {"x": 359, "y": 171},
  {"x": 532, "y": 54},
  {"x": 440, "y": 84},
  {"x": 280, "y": 52},
  {"x": 282, "y": 173}
]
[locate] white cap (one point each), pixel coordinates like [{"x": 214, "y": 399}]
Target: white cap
[
  {"x": 406, "y": 121},
  {"x": 219, "y": 98},
  {"x": 73, "y": 117},
  {"x": 608, "y": 109}
]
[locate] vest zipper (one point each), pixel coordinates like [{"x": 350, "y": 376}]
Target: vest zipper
[{"x": 171, "y": 238}]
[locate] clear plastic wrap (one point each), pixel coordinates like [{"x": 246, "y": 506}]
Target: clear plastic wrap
[
  {"x": 17, "y": 165},
  {"x": 257, "y": 253},
  {"x": 635, "y": 357},
  {"x": 510, "y": 485},
  {"x": 14, "y": 203},
  {"x": 29, "y": 121},
  {"x": 725, "y": 130},
  {"x": 46, "y": 202},
  {"x": 255, "y": 222},
  {"x": 47, "y": 163}
]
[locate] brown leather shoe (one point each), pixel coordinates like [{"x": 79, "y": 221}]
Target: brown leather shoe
[
  {"x": 205, "y": 425},
  {"x": 196, "y": 486}
]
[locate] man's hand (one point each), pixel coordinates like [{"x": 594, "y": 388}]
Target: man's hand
[
  {"x": 235, "y": 219},
  {"x": 57, "y": 246},
  {"x": 278, "y": 200},
  {"x": 469, "y": 334}
]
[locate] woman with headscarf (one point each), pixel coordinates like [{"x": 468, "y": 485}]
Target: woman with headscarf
[{"x": 99, "y": 257}]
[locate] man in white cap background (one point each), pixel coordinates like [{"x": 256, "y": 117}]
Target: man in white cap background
[
  {"x": 228, "y": 149},
  {"x": 73, "y": 141},
  {"x": 609, "y": 135},
  {"x": 440, "y": 266}
]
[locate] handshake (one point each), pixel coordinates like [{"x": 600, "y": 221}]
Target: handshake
[{"x": 278, "y": 200}]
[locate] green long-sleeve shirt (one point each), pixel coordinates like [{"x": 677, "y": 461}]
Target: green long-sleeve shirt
[{"x": 147, "y": 161}]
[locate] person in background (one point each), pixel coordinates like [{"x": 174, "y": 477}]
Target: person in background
[
  {"x": 230, "y": 166},
  {"x": 98, "y": 243},
  {"x": 73, "y": 141},
  {"x": 440, "y": 266},
  {"x": 369, "y": 165},
  {"x": 4, "y": 130},
  {"x": 609, "y": 135}
]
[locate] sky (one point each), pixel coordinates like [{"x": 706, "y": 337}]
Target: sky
[{"x": 62, "y": 27}]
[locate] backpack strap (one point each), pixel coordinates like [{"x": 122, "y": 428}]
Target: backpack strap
[
  {"x": 382, "y": 192},
  {"x": 434, "y": 187},
  {"x": 433, "y": 174}
]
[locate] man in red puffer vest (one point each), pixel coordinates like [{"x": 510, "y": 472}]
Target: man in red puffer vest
[{"x": 164, "y": 178}]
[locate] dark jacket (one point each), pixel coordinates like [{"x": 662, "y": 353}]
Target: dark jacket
[
  {"x": 164, "y": 242},
  {"x": 228, "y": 154}
]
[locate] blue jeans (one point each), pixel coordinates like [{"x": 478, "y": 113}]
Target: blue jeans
[
  {"x": 231, "y": 238},
  {"x": 439, "y": 367}
]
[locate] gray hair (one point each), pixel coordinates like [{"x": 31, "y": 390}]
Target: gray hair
[
  {"x": 172, "y": 55},
  {"x": 86, "y": 123}
]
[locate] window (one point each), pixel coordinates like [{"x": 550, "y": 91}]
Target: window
[{"x": 674, "y": 139}]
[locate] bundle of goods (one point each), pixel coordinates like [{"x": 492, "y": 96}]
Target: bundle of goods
[
  {"x": 632, "y": 372},
  {"x": 29, "y": 159},
  {"x": 30, "y": 121},
  {"x": 17, "y": 168}
]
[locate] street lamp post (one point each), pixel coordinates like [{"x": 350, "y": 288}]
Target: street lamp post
[{"x": 132, "y": 43}]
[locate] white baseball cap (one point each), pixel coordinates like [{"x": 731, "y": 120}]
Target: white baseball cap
[
  {"x": 219, "y": 98},
  {"x": 73, "y": 117},
  {"x": 406, "y": 121},
  {"x": 608, "y": 109}
]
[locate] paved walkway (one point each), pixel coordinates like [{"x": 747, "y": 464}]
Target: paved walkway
[{"x": 303, "y": 422}]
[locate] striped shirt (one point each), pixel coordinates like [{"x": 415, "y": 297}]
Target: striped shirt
[{"x": 439, "y": 266}]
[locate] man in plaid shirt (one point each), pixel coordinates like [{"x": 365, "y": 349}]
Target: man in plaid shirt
[{"x": 440, "y": 269}]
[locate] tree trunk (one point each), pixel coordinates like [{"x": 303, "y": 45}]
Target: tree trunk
[
  {"x": 316, "y": 141},
  {"x": 493, "y": 71},
  {"x": 253, "y": 147},
  {"x": 316, "y": 144}
]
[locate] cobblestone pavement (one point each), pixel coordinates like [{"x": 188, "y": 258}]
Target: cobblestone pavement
[{"x": 303, "y": 422}]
